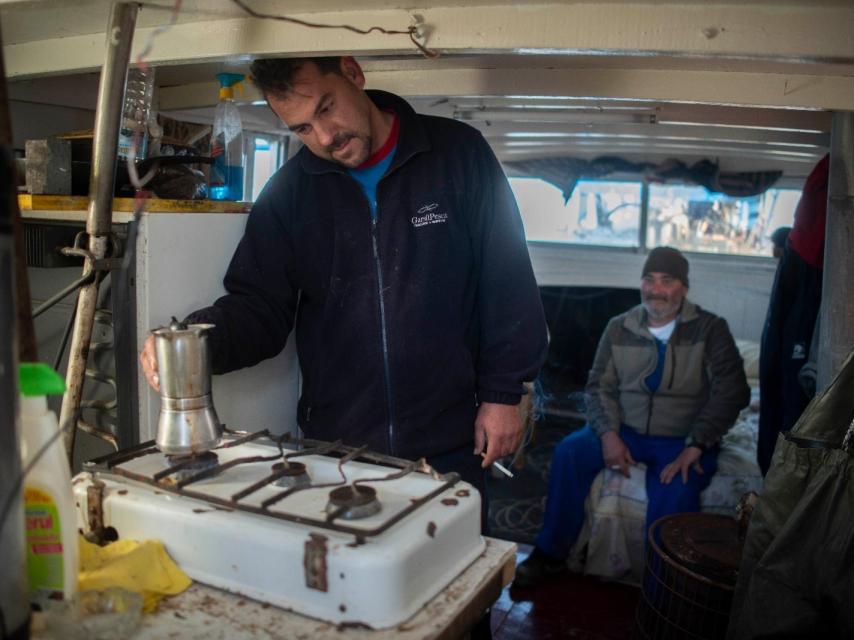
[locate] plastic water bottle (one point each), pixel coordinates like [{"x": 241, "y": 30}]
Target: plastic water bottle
[
  {"x": 138, "y": 94},
  {"x": 226, "y": 177}
]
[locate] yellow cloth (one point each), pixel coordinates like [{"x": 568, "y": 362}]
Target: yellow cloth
[{"x": 142, "y": 567}]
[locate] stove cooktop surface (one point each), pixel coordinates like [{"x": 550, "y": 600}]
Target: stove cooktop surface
[{"x": 335, "y": 532}]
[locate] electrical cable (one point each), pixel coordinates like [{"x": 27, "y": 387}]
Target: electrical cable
[{"x": 413, "y": 31}]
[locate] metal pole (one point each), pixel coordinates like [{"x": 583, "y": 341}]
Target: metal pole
[
  {"x": 101, "y": 186},
  {"x": 836, "y": 337},
  {"x": 644, "y": 216}
]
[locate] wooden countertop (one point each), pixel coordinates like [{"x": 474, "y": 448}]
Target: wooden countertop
[{"x": 74, "y": 207}]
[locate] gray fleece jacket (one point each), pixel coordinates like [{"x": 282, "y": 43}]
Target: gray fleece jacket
[{"x": 702, "y": 389}]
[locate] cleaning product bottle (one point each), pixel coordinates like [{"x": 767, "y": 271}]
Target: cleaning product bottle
[
  {"x": 226, "y": 177},
  {"x": 51, "y": 521}
]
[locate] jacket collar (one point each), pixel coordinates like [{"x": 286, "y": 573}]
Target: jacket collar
[
  {"x": 412, "y": 139},
  {"x": 636, "y": 318}
]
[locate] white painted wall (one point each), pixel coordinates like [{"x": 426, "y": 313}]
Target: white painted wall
[
  {"x": 735, "y": 288},
  {"x": 181, "y": 260}
]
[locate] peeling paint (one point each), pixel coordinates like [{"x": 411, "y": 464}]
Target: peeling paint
[{"x": 314, "y": 562}]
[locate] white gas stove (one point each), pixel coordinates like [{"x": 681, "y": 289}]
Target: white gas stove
[{"x": 326, "y": 530}]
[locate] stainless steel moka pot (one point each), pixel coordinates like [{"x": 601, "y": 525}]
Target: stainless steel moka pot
[{"x": 188, "y": 422}]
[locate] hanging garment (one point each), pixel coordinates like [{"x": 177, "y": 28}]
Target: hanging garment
[
  {"x": 795, "y": 578},
  {"x": 785, "y": 348},
  {"x": 791, "y": 318}
]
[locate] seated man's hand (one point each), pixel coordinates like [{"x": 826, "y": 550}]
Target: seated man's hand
[
  {"x": 615, "y": 453},
  {"x": 148, "y": 360},
  {"x": 689, "y": 458},
  {"x": 499, "y": 428}
]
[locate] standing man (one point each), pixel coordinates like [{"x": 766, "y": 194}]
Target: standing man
[
  {"x": 393, "y": 244},
  {"x": 667, "y": 383}
]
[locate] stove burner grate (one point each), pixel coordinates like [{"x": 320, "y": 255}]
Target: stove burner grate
[
  {"x": 291, "y": 474},
  {"x": 195, "y": 469},
  {"x": 352, "y": 502},
  {"x": 185, "y": 466}
]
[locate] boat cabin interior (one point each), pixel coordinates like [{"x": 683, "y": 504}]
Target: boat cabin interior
[{"x": 621, "y": 125}]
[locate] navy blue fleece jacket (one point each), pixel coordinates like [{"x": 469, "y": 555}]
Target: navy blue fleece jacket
[{"x": 403, "y": 324}]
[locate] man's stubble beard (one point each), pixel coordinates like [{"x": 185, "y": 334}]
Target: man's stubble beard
[
  {"x": 357, "y": 160},
  {"x": 671, "y": 309}
]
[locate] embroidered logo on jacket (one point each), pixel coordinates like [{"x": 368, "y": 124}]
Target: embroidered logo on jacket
[{"x": 428, "y": 215}]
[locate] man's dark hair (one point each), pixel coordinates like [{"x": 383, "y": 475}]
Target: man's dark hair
[{"x": 274, "y": 76}]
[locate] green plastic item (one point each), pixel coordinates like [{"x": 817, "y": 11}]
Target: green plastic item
[{"x": 38, "y": 379}]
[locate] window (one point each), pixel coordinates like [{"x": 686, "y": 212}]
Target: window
[
  {"x": 599, "y": 212},
  {"x": 266, "y": 156},
  {"x": 608, "y": 213},
  {"x": 693, "y": 219}
]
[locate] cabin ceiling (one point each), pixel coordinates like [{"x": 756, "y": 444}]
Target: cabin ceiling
[
  {"x": 749, "y": 84},
  {"x": 33, "y": 20}
]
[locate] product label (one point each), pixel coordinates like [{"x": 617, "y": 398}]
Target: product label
[{"x": 44, "y": 542}]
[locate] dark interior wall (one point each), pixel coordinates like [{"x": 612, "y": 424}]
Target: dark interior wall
[{"x": 576, "y": 317}]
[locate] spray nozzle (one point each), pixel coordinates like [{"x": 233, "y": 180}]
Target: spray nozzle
[{"x": 227, "y": 84}]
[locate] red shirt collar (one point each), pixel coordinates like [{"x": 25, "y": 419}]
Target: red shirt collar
[{"x": 382, "y": 153}]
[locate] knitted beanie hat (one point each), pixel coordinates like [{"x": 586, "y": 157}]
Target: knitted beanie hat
[{"x": 667, "y": 260}]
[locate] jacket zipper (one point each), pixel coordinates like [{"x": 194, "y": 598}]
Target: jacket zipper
[
  {"x": 383, "y": 327},
  {"x": 651, "y": 394},
  {"x": 672, "y": 363}
]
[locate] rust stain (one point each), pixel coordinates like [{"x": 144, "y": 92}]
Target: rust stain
[
  {"x": 431, "y": 529},
  {"x": 352, "y": 624},
  {"x": 314, "y": 562},
  {"x": 450, "y": 502},
  {"x": 123, "y": 492}
]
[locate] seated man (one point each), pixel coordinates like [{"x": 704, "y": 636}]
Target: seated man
[{"x": 667, "y": 382}]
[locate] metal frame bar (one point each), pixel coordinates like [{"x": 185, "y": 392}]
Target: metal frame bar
[
  {"x": 120, "y": 28},
  {"x": 64, "y": 293}
]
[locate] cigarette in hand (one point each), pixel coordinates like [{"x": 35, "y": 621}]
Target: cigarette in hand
[{"x": 499, "y": 466}]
